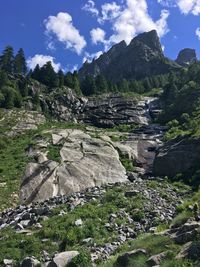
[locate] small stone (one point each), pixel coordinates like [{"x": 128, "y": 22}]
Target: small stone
[
  {"x": 8, "y": 263},
  {"x": 78, "y": 222}
]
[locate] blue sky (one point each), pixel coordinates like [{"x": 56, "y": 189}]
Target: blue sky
[{"x": 67, "y": 32}]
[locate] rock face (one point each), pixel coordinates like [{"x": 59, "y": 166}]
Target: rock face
[
  {"x": 177, "y": 156},
  {"x": 19, "y": 121},
  {"x": 186, "y": 57},
  {"x": 142, "y": 57},
  {"x": 84, "y": 162},
  {"x": 63, "y": 258},
  {"x": 113, "y": 110},
  {"x": 90, "y": 157}
]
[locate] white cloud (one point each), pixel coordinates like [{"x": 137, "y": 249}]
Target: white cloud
[
  {"x": 97, "y": 35},
  {"x": 62, "y": 27},
  {"x": 109, "y": 11},
  {"x": 167, "y": 3},
  {"x": 90, "y": 7},
  {"x": 41, "y": 60},
  {"x": 89, "y": 57},
  {"x": 189, "y": 6},
  {"x": 135, "y": 19},
  {"x": 198, "y": 33},
  {"x": 186, "y": 6}
]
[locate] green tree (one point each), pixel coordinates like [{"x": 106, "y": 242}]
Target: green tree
[
  {"x": 20, "y": 62},
  {"x": 36, "y": 74},
  {"x": 61, "y": 78},
  {"x": 9, "y": 97},
  {"x": 68, "y": 81},
  {"x": 7, "y": 59},
  {"x": 88, "y": 86},
  {"x": 101, "y": 84},
  {"x": 3, "y": 78},
  {"x": 76, "y": 83},
  {"x": 46, "y": 75}
]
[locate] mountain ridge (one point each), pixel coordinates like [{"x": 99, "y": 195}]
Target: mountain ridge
[{"x": 143, "y": 57}]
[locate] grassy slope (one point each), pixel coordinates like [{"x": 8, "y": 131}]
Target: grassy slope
[{"x": 59, "y": 233}]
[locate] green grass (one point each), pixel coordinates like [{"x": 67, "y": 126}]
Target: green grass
[
  {"x": 127, "y": 163},
  {"x": 62, "y": 234},
  {"x": 54, "y": 152},
  {"x": 62, "y": 231},
  {"x": 12, "y": 165},
  {"x": 153, "y": 244}
]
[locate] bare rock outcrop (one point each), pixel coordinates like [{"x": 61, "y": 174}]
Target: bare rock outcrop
[{"x": 84, "y": 162}]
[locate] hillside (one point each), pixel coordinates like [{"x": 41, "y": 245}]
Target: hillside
[{"x": 106, "y": 179}]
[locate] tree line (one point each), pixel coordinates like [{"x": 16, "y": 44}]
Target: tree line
[{"x": 13, "y": 91}]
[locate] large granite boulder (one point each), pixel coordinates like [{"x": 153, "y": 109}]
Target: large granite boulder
[
  {"x": 84, "y": 162},
  {"x": 62, "y": 259},
  {"x": 177, "y": 156}
]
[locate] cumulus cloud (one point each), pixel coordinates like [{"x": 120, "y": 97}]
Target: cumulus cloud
[
  {"x": 97, "y": 35},
  {"x": 167, "y": 3},
  {"x": 109, "y": 11},
  {"x": 41, "y": 60},
  {"x": 90, "y": 7},
  {"x": 198, "y": 33},
  {"x": 189, "y": 6},
  {"x": 62, "y": 27},
  {"x": 186, "y": 6},
  {"x": 89, "y": 57},
  {"x": 135, "y": 19}
]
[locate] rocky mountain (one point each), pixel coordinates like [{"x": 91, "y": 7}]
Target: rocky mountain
[
  {"x": 106, "y": 180},
  {"x": 186, "y": 57},
  {"x": 142, "y": 57}
]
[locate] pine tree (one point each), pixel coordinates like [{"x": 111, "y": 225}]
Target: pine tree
[
  {"x": 3, "y": 78},
  {"x": 9, "y": 96},
  {"x": 36, "y": 73},
  {"x": 147, "y": 84},
  {"x": 76, "y": 83},
  {"x": 7, "y": 59},
  {"x": 20, "y": 62},
  {"x": 88, "y": 86},
  {"x": 61, "y": 78},
  {"x": 68, "y": 81},
  {"x": 101, "y": 84},
  {"x": 46, "y": 75}
]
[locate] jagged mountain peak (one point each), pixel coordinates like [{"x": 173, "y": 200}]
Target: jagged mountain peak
[
  {"x": 141, "y": 58},
  {"x": 186, "y": 56},
  {"x": 151, "y": 39}
]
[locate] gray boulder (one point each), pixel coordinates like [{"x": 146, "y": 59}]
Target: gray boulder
[
  {"x": 123, "y": 260},
  {"x": 177, "y": 156},
  {"x": 30, "y": 262},
  {"x": 62, "y": 259},
  {"x": 85, "y": 162},
  {"x": 156, "y": 259}
]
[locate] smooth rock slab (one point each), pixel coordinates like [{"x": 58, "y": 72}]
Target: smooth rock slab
[
  {"x": 63, "y": 258},
  {"x": 85, "y": 162}
]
